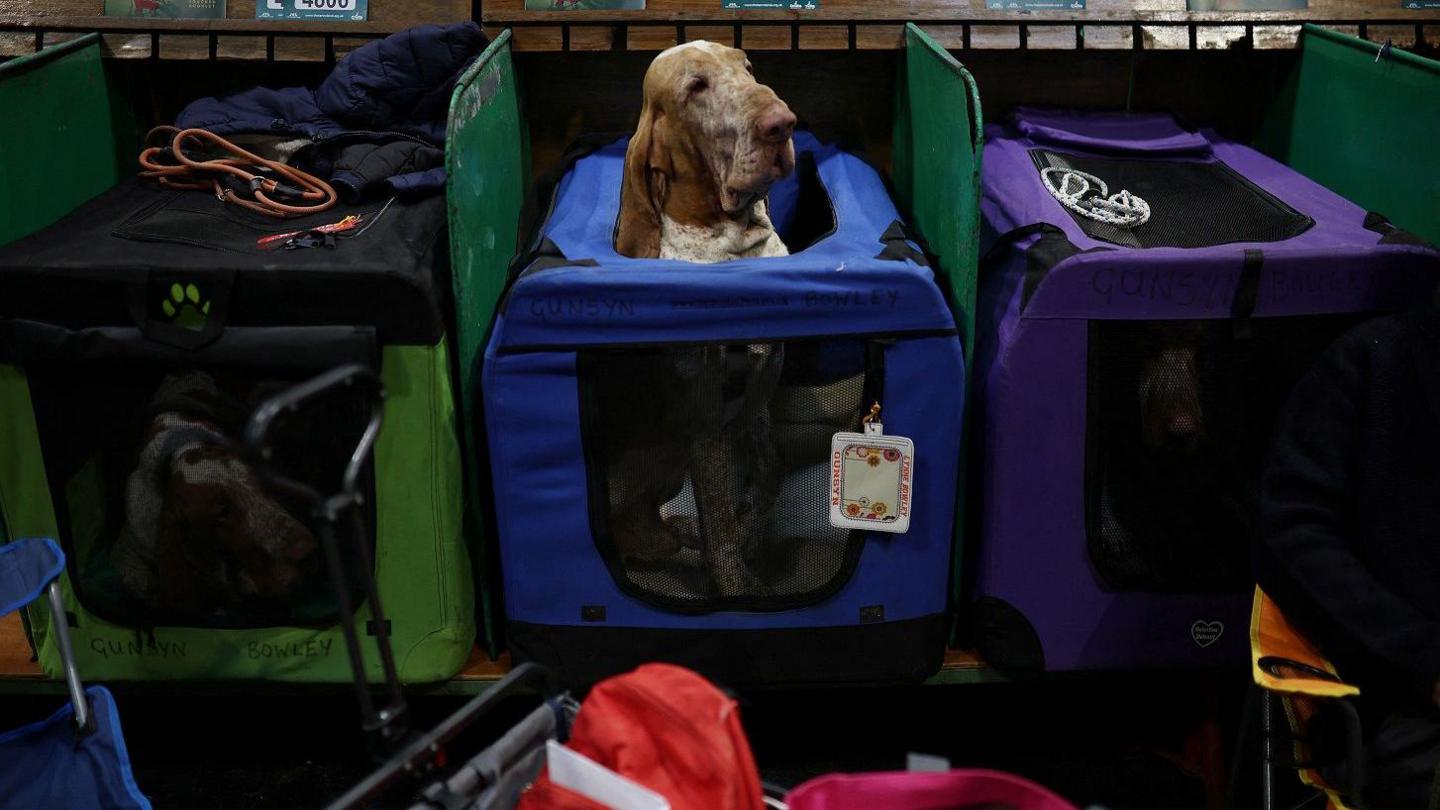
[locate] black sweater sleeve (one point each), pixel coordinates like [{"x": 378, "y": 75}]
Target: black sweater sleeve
[{"x": 1307, "y": 560}]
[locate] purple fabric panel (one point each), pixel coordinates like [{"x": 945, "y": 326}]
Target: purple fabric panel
[
  {"x": 1140, "y": 630},
  {"x": 1155, "y": 134},
  {"x": 1033, "y": 553},
  {"x": 1033, "y": 457},
  {"x": 1336, "y": 265},
  {"x": 1177, "y": 283},
  {"x": 1031, "y": 366},
  {"x": 1012, "y": 195},
  {"x": 1390, "y": 279}
]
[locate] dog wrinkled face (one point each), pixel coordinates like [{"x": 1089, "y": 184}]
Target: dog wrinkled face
[
  {"x": 709, "y": 101},
  {"x": 230, "y": 532}
]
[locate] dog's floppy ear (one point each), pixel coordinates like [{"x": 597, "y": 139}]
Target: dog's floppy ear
[{"x": 642, "y": 194}]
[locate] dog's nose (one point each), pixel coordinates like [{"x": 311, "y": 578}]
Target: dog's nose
[{"x": 775, "y": 124}]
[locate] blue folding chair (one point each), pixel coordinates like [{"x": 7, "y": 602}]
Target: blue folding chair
[{"x": 75, "y": 759}]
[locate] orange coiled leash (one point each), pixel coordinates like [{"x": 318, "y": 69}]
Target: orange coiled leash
[{"x": 302, "y": 194}]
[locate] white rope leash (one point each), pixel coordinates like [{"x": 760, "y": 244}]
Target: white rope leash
[{"x": 1121, "y": 209}]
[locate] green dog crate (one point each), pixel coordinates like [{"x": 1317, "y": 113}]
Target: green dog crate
[
  {"x": 936, "y": 164},
  {"x": 81, "y": 408},
  {"x": 1361, "y": 119}
]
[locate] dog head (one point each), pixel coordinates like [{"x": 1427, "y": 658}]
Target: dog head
[
  {"x": 710, "y": 143},
  {"x": 203, "y": 534},
  {"x": 1171, "y": 413},
  {"x": 219, "y": 527}
]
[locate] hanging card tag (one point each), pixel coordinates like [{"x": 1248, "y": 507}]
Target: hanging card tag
[{"x": 871, "y": 477}]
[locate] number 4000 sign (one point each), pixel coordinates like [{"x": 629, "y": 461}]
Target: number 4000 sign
[{"x": 354, "y": 10}]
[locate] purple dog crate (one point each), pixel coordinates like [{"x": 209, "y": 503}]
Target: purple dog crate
[{"x": 1127, "y": 376}]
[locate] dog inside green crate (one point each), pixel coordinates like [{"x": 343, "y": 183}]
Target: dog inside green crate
[{"x": 168, "y": 521}]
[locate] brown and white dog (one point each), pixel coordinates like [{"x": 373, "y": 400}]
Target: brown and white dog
[
  {"x": 202, "y": 537},
  {"x": 710, "y": 143}
]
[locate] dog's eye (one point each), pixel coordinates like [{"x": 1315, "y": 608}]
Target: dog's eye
[{"x": 697, "y": 84}]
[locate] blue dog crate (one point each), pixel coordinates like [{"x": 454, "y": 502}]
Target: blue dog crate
[{"x": 613, "y": 385}]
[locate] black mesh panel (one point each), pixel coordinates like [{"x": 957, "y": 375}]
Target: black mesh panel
[
  {"x": 1192, "y": 203},
  {"x": 1179, "y": 417},
  {"x": 709, "y": 469},
  {"x": 163, "y": 520}
]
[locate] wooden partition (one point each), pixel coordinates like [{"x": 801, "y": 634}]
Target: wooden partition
[
  {"x": 836, "y": 25},
  {"x": 958, "y": 24},
  {"x": 27, "y": 25},
  {"x": 848, "y": 97}
]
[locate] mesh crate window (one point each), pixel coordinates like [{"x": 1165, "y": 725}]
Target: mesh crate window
[
  {"x": 1193, "y": 203},
  {"x": 1179, "y": 415},
  {"x": 163, "y": 519},
  {"x": 708, "y": 469}
]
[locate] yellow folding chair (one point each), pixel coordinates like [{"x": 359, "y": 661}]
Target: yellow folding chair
[{"x": 1290, "y": 672}]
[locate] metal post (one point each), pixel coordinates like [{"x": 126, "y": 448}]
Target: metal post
[
  {"x": 67, "y": 655},
  {"x": 1267, "y": 752}
]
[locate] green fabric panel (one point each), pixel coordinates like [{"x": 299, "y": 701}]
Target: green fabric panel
[
  {"x": 1363, "y": 128},
  {"x": 938, "y": 170},
  {"x": 24, "y": 493},
  {"x": 422, "y": 563},
  {"x": 487, "y": 160},
  {"x": 936, "y": 161},
  {"x": 59, "y": 142}
]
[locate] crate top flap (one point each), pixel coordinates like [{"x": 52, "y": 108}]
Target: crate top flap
[
  {"x": 1154, "y": 134},
  {"x": 118, "y": 259},
  {"x": 855, "y": 268},
  {"x": 1218, "y": 216}
]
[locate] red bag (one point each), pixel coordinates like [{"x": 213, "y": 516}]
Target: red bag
[{"x": 670, "y": 730}]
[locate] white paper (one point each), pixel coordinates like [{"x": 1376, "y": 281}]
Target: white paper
[{"x": 577, "y": 772}]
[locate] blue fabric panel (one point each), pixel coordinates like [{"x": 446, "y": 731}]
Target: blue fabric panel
[
  {"x": 26, "y": 567},
  {"x": 548, "y": 553},
  {"x": 835, "y": 285},
  {"x": 45, "y": 766}
]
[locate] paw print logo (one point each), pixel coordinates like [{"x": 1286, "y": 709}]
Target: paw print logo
[{"x": 185, "y": 307}]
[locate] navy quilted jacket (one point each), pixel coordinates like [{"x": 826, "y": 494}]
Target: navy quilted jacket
[{"x": 378, "y": 120}]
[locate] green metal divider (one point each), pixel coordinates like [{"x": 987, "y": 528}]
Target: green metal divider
[
  {"x": 1363, "y": 123},
  {"x": 487, "y": 157},
  {"x": 936, "y": 170},
  {"x": 66, "y": 137}
]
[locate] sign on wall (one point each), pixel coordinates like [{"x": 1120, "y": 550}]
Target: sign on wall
[
  {"x": 584, "y": 5},
  {"x": 1035, "y": 5},
  {"x": 1246, "y": 5},
  {"x": 770, "y": 5},
  {"x": 347, "y": 10},
  {"x": 166, "y": 9}
]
